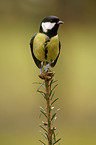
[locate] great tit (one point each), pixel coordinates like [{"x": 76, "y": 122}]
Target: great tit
[{"x": 45, "y": 45}]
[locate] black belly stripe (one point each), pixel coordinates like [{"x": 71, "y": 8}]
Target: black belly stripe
[
  {"x": 46, "y": 51},
  {"x": 46, "y": 48}
]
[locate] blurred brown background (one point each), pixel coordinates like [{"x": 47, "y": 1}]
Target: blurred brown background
[{"x": 75, "y": 70}]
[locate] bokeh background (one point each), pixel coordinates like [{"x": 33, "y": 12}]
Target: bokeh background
[{"x": 75, "y": 71}]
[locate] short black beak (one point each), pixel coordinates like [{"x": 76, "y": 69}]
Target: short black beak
[{"x": 60, "y": 22}]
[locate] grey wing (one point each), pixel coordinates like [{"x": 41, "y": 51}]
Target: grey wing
[
  {"x": 55, "y": 61},
  {"x": 37, "y": 62}
]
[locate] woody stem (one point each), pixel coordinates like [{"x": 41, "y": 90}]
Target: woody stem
[{"x": 47, "y": 87}]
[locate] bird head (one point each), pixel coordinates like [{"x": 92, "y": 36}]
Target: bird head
[{"x": 50, "y": 25}]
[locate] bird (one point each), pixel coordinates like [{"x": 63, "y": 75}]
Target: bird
[{"x": 45, "y": 44}]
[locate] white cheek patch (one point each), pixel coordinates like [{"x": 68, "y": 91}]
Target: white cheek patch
[{"x": 47, "y": 26}]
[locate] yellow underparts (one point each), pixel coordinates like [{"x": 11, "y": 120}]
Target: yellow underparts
[{"x": 39, "y": 47}]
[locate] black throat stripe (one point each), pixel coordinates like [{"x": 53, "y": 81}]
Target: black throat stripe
[{"x": 46, "y": 48}]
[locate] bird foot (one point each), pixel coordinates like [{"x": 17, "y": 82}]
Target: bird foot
[
  {"x": 47, "y": 76},
  {"x": 47, "y": 66}
]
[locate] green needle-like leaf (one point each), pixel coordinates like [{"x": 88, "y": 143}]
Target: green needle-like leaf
[
  {"x": 43, "y": 113},
  {"x": 42, "y": 142},
  {"x": 44, "y": 95},
  {"x": 52, "y": 95},
  {"x": 54, "y": 101},
  {"x": 41, "y": 85},
  {"x": 55, "y": 81},
  {"x": 53, "y": 120},
  {"x": 42, "y": 110},
  {"x": 40, "y": 92},
  {"x": 44, "y": 135},
  {"x": 57, "y": 141},
  {"x": 36, "y": 83},
  {"x": 47, "y": 136},
  {"x": 53, "y": 116},
  {"x": 52, "y": 81},
  {"x": 43, "y": 128},
  {"x": 54, "y": 138},
  {"x": 53, "y": 89},
  {"x": 57, "y": 110}
]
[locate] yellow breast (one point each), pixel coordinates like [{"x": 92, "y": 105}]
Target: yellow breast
[
  {"x": 39, "y": 47},
  {"x": 53, "y": 48}
]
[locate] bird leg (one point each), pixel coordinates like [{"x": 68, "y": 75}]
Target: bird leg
[
  {"x": 41, "y": 70},
  {"x": 47, "y": 66}
]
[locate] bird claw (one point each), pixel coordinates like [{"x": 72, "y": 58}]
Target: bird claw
[
  {"x": 41, "y": 70},
  {"x": 47, "y": 66}
]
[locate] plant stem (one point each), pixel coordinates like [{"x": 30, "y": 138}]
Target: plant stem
[
  {"x": 47, "y": 87},
  {"x": 47, "y": 77}
]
